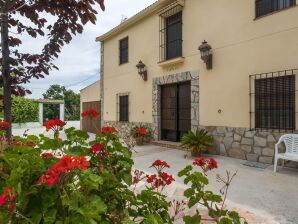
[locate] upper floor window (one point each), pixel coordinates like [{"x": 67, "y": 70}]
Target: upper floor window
[
  {"x": 171, "y": 34},
  {"x": 274, "y": 100},
  {"x": 123, "y": 51},
  {"x": 264, "y": 7}
]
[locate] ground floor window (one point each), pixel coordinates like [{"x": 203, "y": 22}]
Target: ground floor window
[
  {"x": 123, "y": 107},
  {"x": 274, "y": 100}
]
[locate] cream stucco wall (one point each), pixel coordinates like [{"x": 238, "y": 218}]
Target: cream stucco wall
[
  {"x": 241, "y": 46},
  {"x": 90, "y": 93}
]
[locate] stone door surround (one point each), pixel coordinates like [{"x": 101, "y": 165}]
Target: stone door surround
[{"x": 193, "y": 77}]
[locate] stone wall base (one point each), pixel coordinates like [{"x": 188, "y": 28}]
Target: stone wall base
[
  {"x": 125, "y": 127},
  {"x": 242, "y": 143}
]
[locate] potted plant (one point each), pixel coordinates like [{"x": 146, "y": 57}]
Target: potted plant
[
  {"x": 139, "y": 133},
  {"x": 198, "y": 142}
]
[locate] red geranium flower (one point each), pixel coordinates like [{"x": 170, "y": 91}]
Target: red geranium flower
[
  {"x": 30, "y": 144},
  {"x": 108, "y": 130},
  {"x": 55, "y": 124},
  {"x": 199, "y": 162},
  {"x": 4, "y": 125},
  {"x": 91, "y": 113},
  {"x": 2, "y": 199},
  {"x": 142, "y": 131},
  {"x": 97, "y": 148},
  {"x": 47, "y": 155},
  {"x": 7, "y": 197},
  {"x": 63, "y": 167},
  {"x": 205, "y": 164},
  {"x": 160, "y": 164},
  {"x": 161, "y": 180},
  {"x": 212, "y": 164}
]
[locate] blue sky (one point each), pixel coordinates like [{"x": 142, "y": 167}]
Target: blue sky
[{"x": 80, "y": 60}]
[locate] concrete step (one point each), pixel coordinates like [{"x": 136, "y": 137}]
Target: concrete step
[{"x": 167, "y": 144}]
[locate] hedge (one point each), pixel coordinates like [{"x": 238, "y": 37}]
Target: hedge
[{"x": 24, "y": 110}]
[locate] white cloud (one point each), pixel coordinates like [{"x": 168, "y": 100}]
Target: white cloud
[{"x": 80, "y": 60}]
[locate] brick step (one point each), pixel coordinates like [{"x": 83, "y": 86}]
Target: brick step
[{"x": 167, "y": 144}]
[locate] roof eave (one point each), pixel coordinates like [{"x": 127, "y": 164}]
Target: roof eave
[{"x": 134, "y": 19}]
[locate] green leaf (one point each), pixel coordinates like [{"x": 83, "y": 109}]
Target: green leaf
[
  {"x": 189, "y": 192},
  {"x": 185, "y": 171},
  {"x": 153, "y": 219},
  {"x": 196, "y": 219},
  {"x": 93, "y": 207}
]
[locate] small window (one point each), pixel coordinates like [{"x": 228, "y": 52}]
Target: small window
[
  {"x": 123, "y": 51},
  {"x": 123, "y": 108},
  {"x": 264, "y": 7},
  {"x": 275, "y": 103}
]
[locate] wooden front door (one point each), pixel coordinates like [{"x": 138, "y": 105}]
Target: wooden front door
[
  {"x": 175, "y": 111},
  {"x": 91, "y": 125}
]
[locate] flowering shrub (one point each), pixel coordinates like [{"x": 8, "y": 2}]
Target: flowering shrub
[
  {"x": 4, "y": 125},
  {"x": 141, "y": 131},
  {"x": 108, "y": 130},
  {"x": 90, "y": 113},
  {"x": 56, "y": 125},
  {"x": 82, "y": 181}
]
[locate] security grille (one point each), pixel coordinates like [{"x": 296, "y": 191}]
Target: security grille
[
  {"x": 171, "y": 33},
  {"x": 272, "y": 101},
  {"x": 264, "y": 7}
]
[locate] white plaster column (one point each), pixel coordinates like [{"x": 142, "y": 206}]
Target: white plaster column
[
  {"x": 40, "y": 107},
  {"x": 62, "y": 107}
]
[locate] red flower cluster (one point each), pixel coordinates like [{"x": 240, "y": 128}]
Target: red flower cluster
[
  {"x": 142, "y": 131},
  {"x": 160, "y": 180},
  {"x": 63, "y": 167},
  {"x": 55, "y": 124},
  {"x": 97, "y": 148},
  {"x": 47, "y": 155},
  {"x": 29, "y": 144},
  {"x": 90, "y": 113},
  {"x": 159, "y": 165},
  {"x": 205, "y": 164},
  {"x": 7, "y": 199},
  {"x": 108, "y": 130},
  {"x": 4, "y": 125}
]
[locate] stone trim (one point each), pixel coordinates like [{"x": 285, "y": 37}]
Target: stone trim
[
  {"x": 102, "y": 81},
  {"x": 246, "y": 144},
  {"x": 192, "y": 76}
]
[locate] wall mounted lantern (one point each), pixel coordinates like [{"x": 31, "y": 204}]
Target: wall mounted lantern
[
  {"x": 206, "y": 54},
  {"x": 142, "y": 70}
]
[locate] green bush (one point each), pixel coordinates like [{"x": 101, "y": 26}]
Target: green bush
[
  {"x": 92, "y": 183},
  {"x": 24, "y": 110}
]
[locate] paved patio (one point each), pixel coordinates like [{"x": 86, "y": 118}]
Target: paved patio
[
  {"x": 260, "y": 195},
  {"x": 42, "y": 130}
]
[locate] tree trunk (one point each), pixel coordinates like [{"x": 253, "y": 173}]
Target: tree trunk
[{"x": 5, "y": 71}]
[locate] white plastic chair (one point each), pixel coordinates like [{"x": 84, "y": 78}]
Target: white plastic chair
[{"x": 291, "y": 143}]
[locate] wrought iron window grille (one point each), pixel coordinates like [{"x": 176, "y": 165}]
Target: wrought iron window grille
[
  {"x": 265, "y": 7},
  {"x": 273, "y": 101},
  {"x": 170, "y": 33}
]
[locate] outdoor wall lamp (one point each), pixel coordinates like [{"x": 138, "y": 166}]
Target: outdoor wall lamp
[
  {"x": 142, "y": 70},
  {"x": 206, "y": 54}
]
